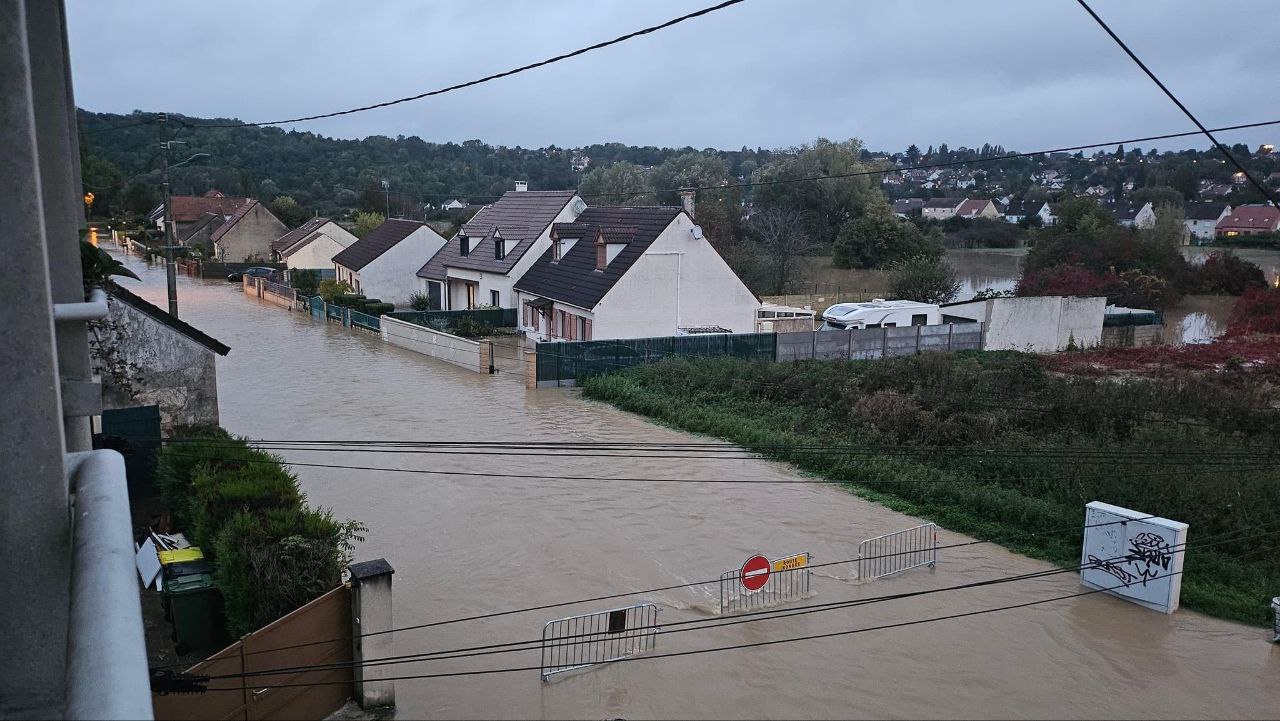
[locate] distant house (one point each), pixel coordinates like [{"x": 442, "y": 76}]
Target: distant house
[
  {"x": 1215, "y": 190},
  {"x": 382, "y": 263},
  {"x": 311, "y": 245},
  {"x": 940, "y": 208},
  {"x": 1097, "y": 191},
  {"x": 1274, "y": 179},
  {"x": 977, "y": 208},
  {"x": 190, "y": 210},
  {"x": 906, "y": 207},
  {"x": 454, "y": 204},
  {"x": 1249, "y": 220},
  {"x": 1132, "y": 216},
  {"x": 246, "y": 237},
  {"x": 1202, "y": 218},
  {"x": 631, "y": 273},
  {"x": 963, "y": 181},
  {"x": 1020, "y": 210},
  {"x": 147, "y": 357},
  {"x": 481, "y": 263},
  {"x": 1049, "y": 214}
]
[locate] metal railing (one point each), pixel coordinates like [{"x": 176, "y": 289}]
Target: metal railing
[
  {"x": 364, "y": 320},
  {"x": 897, "y": 552},
  {"x": 107, "y": 675},
  {"x": 577, "y": 642},
  {"x": 788, "y": 581}
]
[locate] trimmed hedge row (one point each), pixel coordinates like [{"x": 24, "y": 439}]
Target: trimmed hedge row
[{"x": 271, "y": 552}]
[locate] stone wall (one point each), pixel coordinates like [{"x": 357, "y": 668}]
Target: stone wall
[{"x": 145, "y": 362}]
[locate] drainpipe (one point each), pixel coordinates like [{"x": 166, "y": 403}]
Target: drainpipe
[{"x": 93, "y": 309}]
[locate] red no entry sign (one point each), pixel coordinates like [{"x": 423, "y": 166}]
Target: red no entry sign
[{"x": 754, "y": 573}]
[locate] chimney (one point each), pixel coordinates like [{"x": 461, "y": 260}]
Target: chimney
[
  {"x": 522, "y": 186},
  {"x": 686, "y": 200}
]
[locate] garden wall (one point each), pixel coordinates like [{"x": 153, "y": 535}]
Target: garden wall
[{"x": 449, "y": 348}]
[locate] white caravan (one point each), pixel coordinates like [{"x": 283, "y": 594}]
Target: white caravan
[{"x": 880, "y": 313}]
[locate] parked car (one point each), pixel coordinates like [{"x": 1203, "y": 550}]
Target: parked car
[
  {"x": 254, "y": 272},
  {"x": 880, "y": 313}
]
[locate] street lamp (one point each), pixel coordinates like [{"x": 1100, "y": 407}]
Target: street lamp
[{"x": 170, "y": 263}]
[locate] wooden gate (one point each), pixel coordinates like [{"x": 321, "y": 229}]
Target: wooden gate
[{"x": 254, "y": 698}]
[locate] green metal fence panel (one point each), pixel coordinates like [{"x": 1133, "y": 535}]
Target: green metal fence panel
[
  {"x": 135, "y": 433},
  {"x": 496, "y": 317},
  {"x": 364, "y": 320},
  {"x": 317, "y": 307},
  {"x": 574, "y": 360}
]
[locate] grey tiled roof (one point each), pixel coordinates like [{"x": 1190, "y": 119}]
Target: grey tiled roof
[
  {"x": 297, "y": 235},
  {"x": 520, "y": 216},
  {"x": 943, "y": 202},
  {"x": 573, "y": 279},
  {"x": 158, "y": 315},
  {"x": 1205, "y": 211},
  {"x": 378, "y": 241}
]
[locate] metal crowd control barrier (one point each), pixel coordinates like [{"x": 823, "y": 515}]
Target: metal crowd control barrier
[
  {"x": 788, "y": 581},
  {"x": 576, "y": 642},
  {"x": 897, "y": 552}
]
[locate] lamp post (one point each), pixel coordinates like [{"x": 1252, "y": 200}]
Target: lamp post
[{"x": 170, "y": 241}]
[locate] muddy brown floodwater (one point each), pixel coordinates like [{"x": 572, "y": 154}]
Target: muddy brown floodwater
[{"x": 466, "y": 545}]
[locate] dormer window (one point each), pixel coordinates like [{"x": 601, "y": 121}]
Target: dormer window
[
  {"x": 555, "y": 248},
  {"x": 602, "y": 253},
  {"x": 465, "y": 247},
  {"x": 499, "y": 246}
]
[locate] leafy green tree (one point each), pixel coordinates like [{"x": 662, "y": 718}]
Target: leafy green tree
[
  {"x": 879, "y": 237},
  {"x": 830, "y": 202},
  {"x": 306, "y": 281},
  {"x": 141, "y": 198},
  {"x": 289, "y": 211},
  {"x": 1170, "y": 228},
  {"x": 923, "y": 278},
  {"x": 618, "y": 184},
  {"x": 1158, "y": 195},
  {"x": 366, "y": 222}
]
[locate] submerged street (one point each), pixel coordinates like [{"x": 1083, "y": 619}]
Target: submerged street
[{"x": 468, "y": 545}]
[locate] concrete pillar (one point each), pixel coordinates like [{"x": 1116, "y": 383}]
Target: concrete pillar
[
  {"x": 371, "y": 613},
  {"x": 35, "y": 539},
  {"x": 530, "y": 369}
]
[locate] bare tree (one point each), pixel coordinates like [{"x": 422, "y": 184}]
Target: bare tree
[{"x": 781, "y": 236}]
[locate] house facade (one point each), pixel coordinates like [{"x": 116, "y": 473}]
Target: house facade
[
  {"x": 247, "y": 236},
  {"x": 312, "y": 245},
  {"x": 189, "y": 210},
  {"x": 907, "y": 207},
  {"x": 940, "y": 208},
  {"x": 480, "y": 265},
  {"x": 1249, "y": 220},
  {"x": 1132, "y": 216},
  {"x": 147, "y": 357},
  {"x": 382, "y": 263},
  {"x": 1020, "y": 210},
  {"x": 977, "y": 208},
  {"x": 631, "y": 273},
  {"x": 1202, "y": 219}
]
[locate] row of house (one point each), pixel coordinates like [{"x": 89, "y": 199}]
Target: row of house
[{"x": 575, "y": 272}]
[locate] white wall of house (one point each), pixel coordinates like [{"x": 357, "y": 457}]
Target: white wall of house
[
  {"x": 1036, "y": 324},
  {"x": 678, "y": 282},
  {"x": 1206, "y": 228},
  {"x": 320, "y": 251},
  {"x": 392, "y": 276}
]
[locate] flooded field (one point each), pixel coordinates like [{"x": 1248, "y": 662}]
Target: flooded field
[{"x": 466, "y": 545}]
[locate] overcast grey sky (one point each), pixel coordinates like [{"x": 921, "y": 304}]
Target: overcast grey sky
[{"x": 1023, "y": 73}]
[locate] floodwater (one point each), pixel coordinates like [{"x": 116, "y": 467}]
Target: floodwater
[
  {"x": 466, "y": 545},
  {"x": 1197, "y": 319}
]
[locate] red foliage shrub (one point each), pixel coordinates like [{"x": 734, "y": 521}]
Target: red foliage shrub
[
  {"x": 1259, "y": 350},
  {"x": 1257, "y": 311},
  {"x": 1225, "y": 273},
  {"x": 1131, "y": 288}
]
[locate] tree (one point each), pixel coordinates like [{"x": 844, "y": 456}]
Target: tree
[
  {"x": 289, "y": 212},
  {"x": 924, "y": 279},
  {"x": 913, "y": 154},
  {"x": 1170, "y": 228},
  {"x": 879, "y": 237},
  {"x": 832, "y": 202},
  {"x": 306, "y": 281},
  {"x": 781, "y": 238},
  {"x": 366, "y": 222},
  {"x": 141, "y": 198},
  {"x": 618, "y": 184},
  {"x": 1157, "y": 195}
]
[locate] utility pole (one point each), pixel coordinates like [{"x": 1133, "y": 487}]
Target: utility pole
[
  {"x": 170, "y": 264},
  {"x": 386, "y": 188}
]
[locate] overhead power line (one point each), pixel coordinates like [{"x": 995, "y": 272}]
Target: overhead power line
[
  {"x": 1207, "y": 133},
  {"x": 496, "y": 76}
]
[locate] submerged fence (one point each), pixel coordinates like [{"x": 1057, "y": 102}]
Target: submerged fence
[
  {"x": 561, "y": 363},
  {"x": 897, "y": 552},
  {"x": 788, "y": 581},
  {"x": 577, "y": 642}
]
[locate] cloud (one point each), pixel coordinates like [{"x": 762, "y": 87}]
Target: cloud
[{"x": 765, "y": 73}]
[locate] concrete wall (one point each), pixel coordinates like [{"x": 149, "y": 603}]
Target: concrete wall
[
  {"x": 449, "y": 348},
  {"x": 664, "y": 291},
  {"x": 1038, "y": 324},
  {"x": 871, "y": 343},
  {"x": 172, "y": 371},
  {"x": 250, "y": 239},
  {"x": 1132, "y": 336}
]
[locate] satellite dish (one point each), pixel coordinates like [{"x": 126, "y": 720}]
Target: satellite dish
[{"x": 697, "y": 232}]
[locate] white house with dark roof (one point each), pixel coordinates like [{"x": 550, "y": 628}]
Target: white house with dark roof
[
  {"x": 1202, "y": 218},
  {"x": 481, "y": 263},
  {"x": 382, "y": 263},
  {"x": 1132, "y": 216},
  {"x": 312, "y": 245},
  {"x": 631, "y": 273}
]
